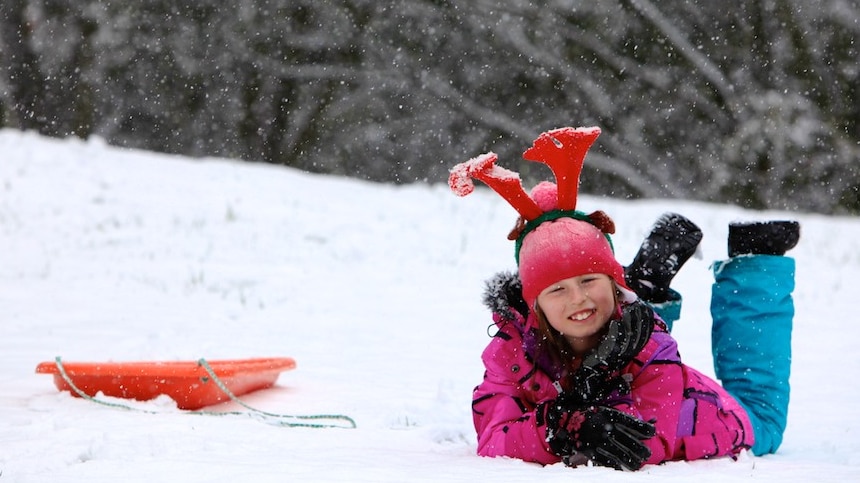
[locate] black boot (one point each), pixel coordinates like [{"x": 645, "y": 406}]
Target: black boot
[
  {"x": 672, "y": 242},
  {"x": 763, "y": 238}
]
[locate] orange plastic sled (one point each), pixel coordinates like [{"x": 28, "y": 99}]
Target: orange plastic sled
[{"x": 186, "y": 382}]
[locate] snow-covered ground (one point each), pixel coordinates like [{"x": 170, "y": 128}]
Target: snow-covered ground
[{"x": 116, "y": 255}]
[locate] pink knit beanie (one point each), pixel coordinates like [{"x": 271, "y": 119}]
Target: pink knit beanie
[
  {"x": 554, "y": 241},
  {"x": 564, "y": 248}
]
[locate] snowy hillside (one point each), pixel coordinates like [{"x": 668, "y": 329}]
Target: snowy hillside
[{"x": 116, "y": 255}]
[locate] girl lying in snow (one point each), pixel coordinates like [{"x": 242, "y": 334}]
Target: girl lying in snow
[{"x": 583, "y": 368}]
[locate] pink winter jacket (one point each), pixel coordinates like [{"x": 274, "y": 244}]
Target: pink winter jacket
[{"x": 695, "y": 417}]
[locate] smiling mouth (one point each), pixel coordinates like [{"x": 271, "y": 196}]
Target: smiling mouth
[{"x": 580, "y": 316}]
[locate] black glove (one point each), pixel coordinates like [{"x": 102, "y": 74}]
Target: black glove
[
  {"x": 602, "y": 435},
  {"x": 625, "y": 337}
]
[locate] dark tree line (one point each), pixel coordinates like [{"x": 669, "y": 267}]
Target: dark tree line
[{"x": 753, "y": 103}]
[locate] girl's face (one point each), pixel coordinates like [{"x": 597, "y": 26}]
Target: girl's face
[{"x": 579, "y": 307}]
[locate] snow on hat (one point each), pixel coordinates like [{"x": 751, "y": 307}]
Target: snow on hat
[{"x": 554, "y": 241}]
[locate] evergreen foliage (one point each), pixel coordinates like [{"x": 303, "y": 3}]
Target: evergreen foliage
[{"x": 754, "y": 105}]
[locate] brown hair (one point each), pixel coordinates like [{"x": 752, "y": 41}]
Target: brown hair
[{"x": 553, "y": 343}]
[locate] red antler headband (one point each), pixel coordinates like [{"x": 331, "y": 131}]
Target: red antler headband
[{"x": 563, "y": 150}]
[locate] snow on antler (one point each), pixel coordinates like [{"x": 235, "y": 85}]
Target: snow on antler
[
  {"x": 563, "y": 150},
  {"x": 504, "y": 182}
]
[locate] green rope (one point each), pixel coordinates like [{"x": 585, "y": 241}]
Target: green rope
[
  {"x": 292, "y": 421},
  {"x": 87, "y": 396},
  {"x": 279, "y": 419}
]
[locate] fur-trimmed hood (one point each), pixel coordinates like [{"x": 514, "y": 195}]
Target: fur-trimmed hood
[{"x": 503, "y": 295}]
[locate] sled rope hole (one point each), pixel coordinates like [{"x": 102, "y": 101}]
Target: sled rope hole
[{"x": 286, "y": 420}]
